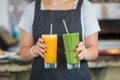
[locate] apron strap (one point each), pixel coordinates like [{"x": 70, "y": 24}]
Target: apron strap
[
  {"x": 37, "y": 7},
  {"x": 79, "y": 4}
]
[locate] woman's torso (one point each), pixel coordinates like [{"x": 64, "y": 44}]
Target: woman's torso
[{"x": 42, "y": 21}]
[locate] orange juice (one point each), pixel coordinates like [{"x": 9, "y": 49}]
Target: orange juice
[{"x": 51, "y": 50}]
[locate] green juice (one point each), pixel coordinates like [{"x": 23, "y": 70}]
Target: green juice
[{"x": 71, "y": 41}]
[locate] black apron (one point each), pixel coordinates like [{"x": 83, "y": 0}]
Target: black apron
[{"x": 42, "y": 21}]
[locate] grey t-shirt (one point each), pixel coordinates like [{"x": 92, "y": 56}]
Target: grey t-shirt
[{"x": 88, "y": 19}]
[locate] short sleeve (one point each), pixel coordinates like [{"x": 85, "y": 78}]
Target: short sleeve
[
  {"x": 90, "y": 21},
  {"x": 26, "y": 21}
]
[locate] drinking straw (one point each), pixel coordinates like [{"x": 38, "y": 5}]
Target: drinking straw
[
  {"x": 51, "y": 26},
  {"x": 65, "y": 26}
]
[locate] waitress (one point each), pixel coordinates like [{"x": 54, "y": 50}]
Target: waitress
[{"x": 36, "y": 21}]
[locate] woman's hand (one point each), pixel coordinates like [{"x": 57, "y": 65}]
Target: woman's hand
[
  {"x": 83, "y": 53},
  {"x": 38, "y": 49}
]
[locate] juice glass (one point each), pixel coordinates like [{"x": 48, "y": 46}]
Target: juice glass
[
  {"x": 70, "y": 42},
  {"x": 50, "y": 59}
]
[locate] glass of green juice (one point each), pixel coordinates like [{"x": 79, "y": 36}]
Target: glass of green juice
[{"x": 70, "y": 43}]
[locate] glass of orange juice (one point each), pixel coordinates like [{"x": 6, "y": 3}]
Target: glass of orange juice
[{"x": 50, "y": 59}]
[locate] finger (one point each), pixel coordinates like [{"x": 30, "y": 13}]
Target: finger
[
  {"x": 79, "y": 57},
  {"x": 40, "y": 51},
  {"x": 41, "y": 55},
  {"x": 41, "y": 45},
  {"x": 41, "y": 40},
  {"x": 80, "y": 44},
  {"x": 82, "y": 55},
  {"x": 79, "y": 49}
]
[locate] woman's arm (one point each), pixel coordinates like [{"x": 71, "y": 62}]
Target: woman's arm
[
  {"x": 28, "y": 49},
  {"x": 26, "y": 43},
  {"x": 89, "y": 50},
  {"x": 92, "y": 46}
]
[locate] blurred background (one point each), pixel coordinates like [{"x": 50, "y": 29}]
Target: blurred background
[{"x": 107, "y": 65}]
